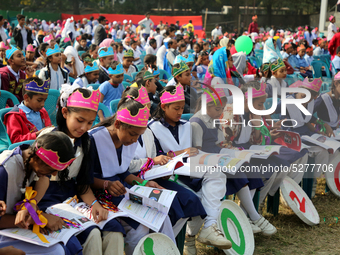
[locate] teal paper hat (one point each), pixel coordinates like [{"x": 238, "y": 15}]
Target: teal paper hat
[
  {"x": 105, "y": 52},
  {"x": 10, "y": 52},
  {"x": 50, "y": 51},
  {"x": 92, "y": 68},
  {"x": 119, "y": 70},
  {"x": 156, "y": 72},
  {"x": 190, "y": 58},
  {"x": 179, "y": 58}
]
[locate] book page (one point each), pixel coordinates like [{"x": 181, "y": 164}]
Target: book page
[
  {"x": 264, "y": 151},
  {"x": 289, "y": 139},
  {"x": 323, "y": 141},
  {"x": 28, "y": 236}
]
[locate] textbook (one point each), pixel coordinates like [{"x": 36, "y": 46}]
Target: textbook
[
  {"x": 325, "y": 142},
  {"x": 336, "y": 134},
  {"x": 78, "y": 214},
  {"x": 148, "y": 206},
  {"x": 264, "y": 151}
]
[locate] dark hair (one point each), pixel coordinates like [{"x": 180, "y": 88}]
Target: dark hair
[
  {"x": 337, "y": 50},
  {"x": 57, "y": 142},
  {"x": 315, "y": 41},
  {"x": 20, "y": 16},
  {"x": 158, "y": 29},
  {"x": 1, "y": 17},
  {"x": 28, "y": 80},
  {"x": 149, "y": 59},
  {"x": 48, "y": 66},
  {"x": 92, "y": 47},
  {"x": 204, "y": 53},
  {"x": 84, "y": 55},
  {"x": 269, "y": 73},
  {"x": 169, "y": 30},
  {"x": 152, "y": 41},
  {"x": 159, "y": 114},
  {"x": 206, "y": 43},
  {"x": 132, "y": 91},
  {"x": 183, "y": 45},
  {"x": 42, "y": 47},
  {"x": 84, "y": 172},
  {"x": 83, "y": 37},
  {"x": 250, "y": 84},
  {"x": 128, "y": 103},
  {"x": 114, "y": 64},
  {"x": 148, "y": 13}
]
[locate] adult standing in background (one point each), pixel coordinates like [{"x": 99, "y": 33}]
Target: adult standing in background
[
  {"x": 253, "y": 27},
  {"x": 3, "y": 35},
  {"x": 132, "y": 26},
  {"x": 216, "y": 32},
  {"x": 100, "y": 33},
  {"x": 331, "y": 28},
  {"x": 147, "y": 24},
  {"x": 334, "y": 43}
]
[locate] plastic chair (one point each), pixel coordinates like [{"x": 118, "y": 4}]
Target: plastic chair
[
  {"x": 105, "y": 111},
  {"x": 126, "y": 84},
  {"x": 164, "y": 73},
  {"x": 142, "y": 58},
  {"x": 186, "y": 116},
  {"x": 114, "y": 105},
  {"x": 127, "y": 78},
  {"x": 140, "y": 67},
  {"x": 5, "y": 142},
  {"x": 94, "y": 86},
  {"x": 118, "y": 40},
  {"x": 51, "y": 105},
  {"x": 4, "y": 96},
  {"x": 317, "y": 69},
  {"x": 133, "y": 75},
  {"x": 162, "y": 83},
  {"x": 14, "y": 145}
]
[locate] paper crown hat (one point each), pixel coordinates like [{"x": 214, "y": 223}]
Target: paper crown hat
[
  {"x": 178, "y": 59},
  {"x": 156, "y": 72},
  {"x": 139, "y": 120},
  {"x": 314, "y": 84},
  {"x": 3, "y": 46},
  {"x": 214, "y": 97},
  {"x": 301, "y": 47},
  {"x": 148, "y": 75},
  {"x": 190, "y": 58},
  {"x": 51, "y": 158},
  {"x": 276, "y": 65},
  {"x": 265, "y": 67},
  {"x": 119, "y": 70},
  {"x": 258, "y": 93},
  {"x": 143, "y": 96},
  {"x": 105, "y": 52},
  {"x": 331, "y": 17},
  {"x": 33, "y": 86},
  {"x": 128, "y": 54},
  {"x": 168, "y": 97},
  {"x": 179, "y": 70},
  {"x": 10, "y": 52},
  {"x": 48, "y": 38},
  {"x": 50, "y": 51},
  {"x": 77, "y": 99},
  {"x": 29, "y": 47},
  {"x": 92, "y": 68}
]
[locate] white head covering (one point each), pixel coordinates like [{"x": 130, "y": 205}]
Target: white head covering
[
  {"x": 224, "y": 42},
  {"x": 71, "y": 52},
  {"x": 69, "y": 28}
]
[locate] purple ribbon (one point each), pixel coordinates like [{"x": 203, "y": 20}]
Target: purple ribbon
[
  {"x": 30, "y": 210},
  {"x": 267, "y": 139}
]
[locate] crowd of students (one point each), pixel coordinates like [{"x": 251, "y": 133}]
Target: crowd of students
[{"x": 75, "y": 158}]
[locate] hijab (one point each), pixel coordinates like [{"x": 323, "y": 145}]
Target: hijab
[
  {"x": 71, "y": 52},
  {"x": 270, "y": 52}
]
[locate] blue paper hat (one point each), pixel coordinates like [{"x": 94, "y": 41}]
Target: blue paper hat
[
  {"x": 33, "y": 86},
  {"x": 179, "y": 58},
  {"x": 105, "y": 52},
  {"x": 92, "y": 68},
  {"x": 50, "y": 51},
  {"x": 157, "y": 72},
  {"x": 119, "y": 70},
  {"x": 10, "y": 52},
  {"x": 190, "y": 58}
]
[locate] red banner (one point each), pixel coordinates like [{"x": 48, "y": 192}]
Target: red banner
[{"x": 183, "y": 20}]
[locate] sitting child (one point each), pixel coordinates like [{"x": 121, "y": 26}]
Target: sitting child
[
  {"x": 26, "y": 120},
  {"x": 127, "y": 63},
  {"x": 202, "y": 64}
]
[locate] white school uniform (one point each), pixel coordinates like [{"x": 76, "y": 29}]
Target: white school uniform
[{"x": 213, "y": 184}]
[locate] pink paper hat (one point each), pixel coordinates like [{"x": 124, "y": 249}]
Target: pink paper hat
[
  {"x": 139, "y": 120},
  {"x": 168, "y": 98},
  {"x": 48, "y": 38},
  {"x": 29, "y": 48},
  {"x": 51, "y": 158},
  {"x": 331, "y": 17},
  {"x": 78, "y": 100},
  {"x": 296, "y": 84},
  {"x": 219, "y": 91},
  {"x": 258, "y": 93},
  {"x": 3, "y": 46},
  {"x": 143, "y": 96},
  {"x": 314, "y": 84},
  {"x": 337, "y": 76}
]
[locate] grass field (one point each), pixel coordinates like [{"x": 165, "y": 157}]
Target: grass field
[{"x": 296, "y": 237}]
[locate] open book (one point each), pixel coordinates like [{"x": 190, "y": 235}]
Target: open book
[
  {"x": 323, "y": 141},
  {"x": 174, "y": 166},
  {"x": 336, "y": 134},
  {"x": 264, "y": 151},
  {"x": 77, "y": 213},
  {"x": 148, "y": 206}
]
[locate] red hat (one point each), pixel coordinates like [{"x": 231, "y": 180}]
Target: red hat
[
  {"x": 254, "y": 17},
  {"x": 287, "y": 45},
  {"x": 301, "y": 47},
  {"x": 309, "y": 49}
]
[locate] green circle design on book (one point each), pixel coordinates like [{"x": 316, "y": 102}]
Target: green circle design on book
[{"x": 225, "y": 214}]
